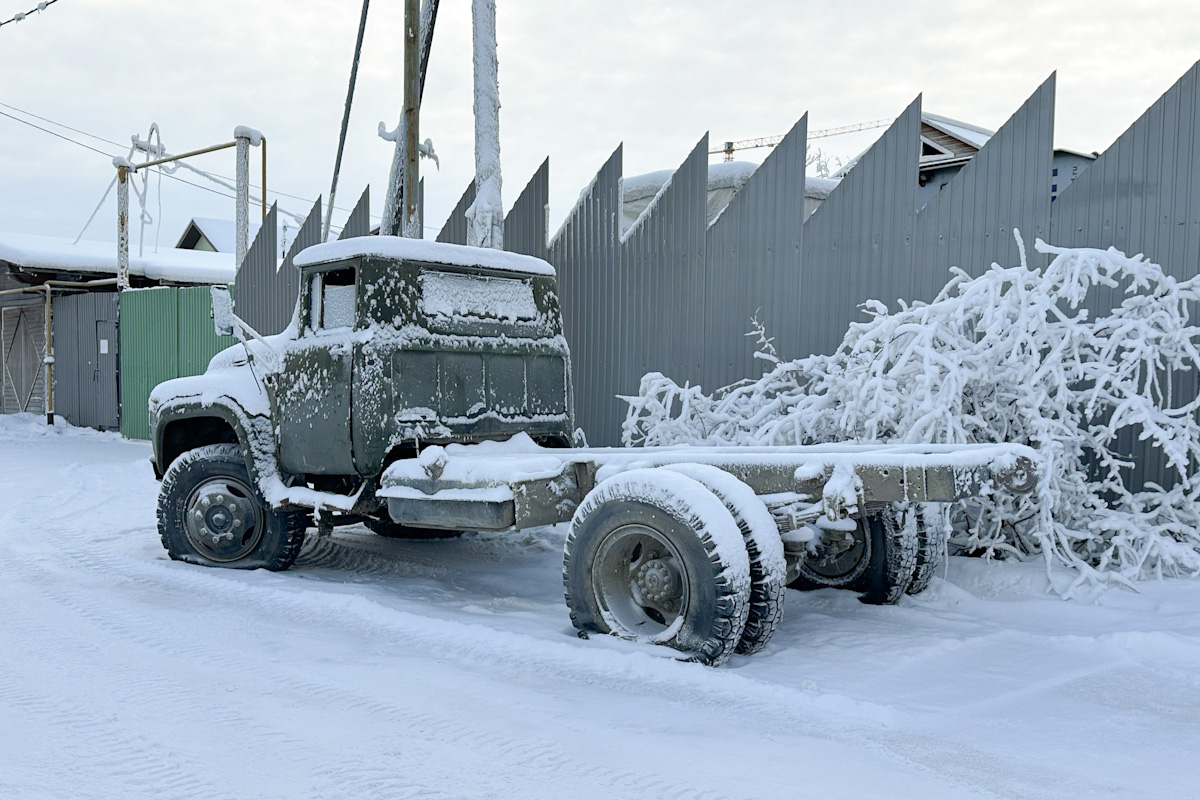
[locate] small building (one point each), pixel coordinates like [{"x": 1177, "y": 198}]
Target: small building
[
  {"x": 214, "y": 235},
  {"x": 948, "y": 144},
  {"x": 59, "y": 318}
]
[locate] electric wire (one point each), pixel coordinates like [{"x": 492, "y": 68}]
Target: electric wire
[
  {"x": 78, "y": 143},
  {"x": 39, "y": 7}
]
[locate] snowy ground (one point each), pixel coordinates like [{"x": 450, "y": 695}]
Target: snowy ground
[{"x": 384, "y": 669}]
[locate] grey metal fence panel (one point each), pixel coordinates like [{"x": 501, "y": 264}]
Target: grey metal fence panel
[
  {"x": 585, "y": 252},
  {"x": 86, "y": 357},
  {"x": 858, "y": 244},
  {"x": 257, "y": 290},
  {"x": 1006, "y": 185},
  {"x": 657, "y": 321},
  {"x": 455, "y": 229},
  {"x": 753, "y": 266},
  {"x": 359, "y": 221},
  {"x": 1142, "y": 195},
  {"x": 525, "y": 227}
]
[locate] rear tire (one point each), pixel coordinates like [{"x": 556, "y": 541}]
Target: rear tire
[
  {"x": 768, "y": 571},
  {"x": 823, "y": 569},
  {"x": 211, "y": 513},
  {"x": 879, "y": 564},
  {"x": 893, "y": 560},
  {"x": 933, "y": 532},
  {"x": 654, "y": 556}
]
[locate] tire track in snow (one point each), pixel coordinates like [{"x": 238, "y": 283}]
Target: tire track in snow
[{"x": 543, "y": 758}]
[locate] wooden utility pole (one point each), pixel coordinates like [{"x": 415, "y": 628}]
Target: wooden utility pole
[{"x": 412, "y": 114}]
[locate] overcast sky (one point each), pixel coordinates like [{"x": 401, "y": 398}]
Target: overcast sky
[{"x": 577, "y": 78}]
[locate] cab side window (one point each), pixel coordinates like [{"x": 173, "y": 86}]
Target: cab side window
[{"x": 333, "y": 300}]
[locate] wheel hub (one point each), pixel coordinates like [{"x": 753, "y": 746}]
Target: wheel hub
[
  {"x": 640, "y": 581},
  {"x": 658, "y": 581},
  {"x": 224, "y": 522}
]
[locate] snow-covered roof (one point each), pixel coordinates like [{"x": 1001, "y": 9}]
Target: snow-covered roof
[
  {"x": 219, "y": 232},
  {"x": 403, "y": 249},
  {"x": 819, "y": 188},
  {"x": 725, "y": 175},
  {"x": 971, "y": 134},
  {"x": 168, "y": 264}
]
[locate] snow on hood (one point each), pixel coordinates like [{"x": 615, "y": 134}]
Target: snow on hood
[
  {"x": 400, "y": 248},
  {"x": 168, "y": 264}
]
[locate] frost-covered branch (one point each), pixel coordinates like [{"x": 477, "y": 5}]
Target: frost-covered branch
[{"x": 1009, "y": 356}]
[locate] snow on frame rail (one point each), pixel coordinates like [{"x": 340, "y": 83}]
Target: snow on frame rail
[{"x": 872, "y": 472}]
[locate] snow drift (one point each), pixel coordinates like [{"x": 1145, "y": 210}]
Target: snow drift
[{"x": 1010, "y": 356}]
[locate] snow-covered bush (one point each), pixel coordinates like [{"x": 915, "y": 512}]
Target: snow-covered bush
[{"x": 1012, "y": 356}]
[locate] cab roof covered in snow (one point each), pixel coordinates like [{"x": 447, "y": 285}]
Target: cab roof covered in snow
[{"x": 403, "y": 249}]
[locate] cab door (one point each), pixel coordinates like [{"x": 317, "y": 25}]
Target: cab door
[{"x": 313, "y": 390}]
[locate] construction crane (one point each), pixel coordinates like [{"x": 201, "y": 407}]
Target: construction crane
[{"x": 771, "y": 141}]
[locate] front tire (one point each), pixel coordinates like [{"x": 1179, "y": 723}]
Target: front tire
[
  {"x": 210, "y": 513},
  {"x": 655, "y": 556}
]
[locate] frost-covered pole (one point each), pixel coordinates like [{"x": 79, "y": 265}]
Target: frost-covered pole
[
  {"x": 241, "y": 213},
  {"x": 412, "y": 115},
  {"x": 485, "y": 217},
  {"x": 124, "y": 168}
]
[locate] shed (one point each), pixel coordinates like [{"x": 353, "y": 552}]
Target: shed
[{"x": 59, "y": 320}]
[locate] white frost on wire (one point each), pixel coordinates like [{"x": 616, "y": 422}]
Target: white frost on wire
[{"x": 1009, "y": 356}]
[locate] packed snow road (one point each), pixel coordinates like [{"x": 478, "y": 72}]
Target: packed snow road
[{"x": 386, "y": 669}]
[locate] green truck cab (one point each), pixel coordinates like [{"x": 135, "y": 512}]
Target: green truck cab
[{"x": 395, "y": 344}]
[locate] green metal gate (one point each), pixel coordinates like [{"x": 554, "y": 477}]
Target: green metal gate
[{"x": 165, "y": 333}]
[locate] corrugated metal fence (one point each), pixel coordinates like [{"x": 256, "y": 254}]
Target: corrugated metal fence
[
  {"x": 165, "y": 333},
  {"x": 86, "y": 352},
  {"x": 677, "y": 298}
]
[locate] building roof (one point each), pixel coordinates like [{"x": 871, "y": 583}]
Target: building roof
[
  {"x": 100, "y": 258},
  {"x": 973, "y": 135},
  {"x": 219, "y": 233}
]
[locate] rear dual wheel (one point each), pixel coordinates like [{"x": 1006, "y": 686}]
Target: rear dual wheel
[
  {"x": 889, "y": 553},
  {"x": 661, "y": 556}
]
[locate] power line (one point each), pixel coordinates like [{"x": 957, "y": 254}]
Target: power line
[
  {"x": 39, "y": 7},
  {"x": 118, "y": 144}
]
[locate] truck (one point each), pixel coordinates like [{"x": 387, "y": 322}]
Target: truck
[{"x": 423, "y": 389}]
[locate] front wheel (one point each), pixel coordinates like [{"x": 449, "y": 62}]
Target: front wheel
[
  {"x": 210, "y": 513},
  {"x": 655, "y": 556}
]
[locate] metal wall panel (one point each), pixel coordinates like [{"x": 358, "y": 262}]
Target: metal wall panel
[
  {"x": 753, "y": 266},
  {"x": 359, "y": 221},
  {"x": 585, "y": 252},
  {"x": 165, "y": 333},
  {"x": 455, "y": 229},
  {"x": 86, "y": 352},
  {"x": 1142, "y": 195},
  {"x": 657, "y": 323},
  {"x": 525, "y": 227},
  {"x": 969, "y": 223},
  {"x": 858, "y": 243},
  {"x": 257, "y": 291},
  {"x": 197, "y": 340},
  {"x": 149, "y": 348}
]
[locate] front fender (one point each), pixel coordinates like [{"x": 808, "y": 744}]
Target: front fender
[{"x": 254, "y": 433}]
